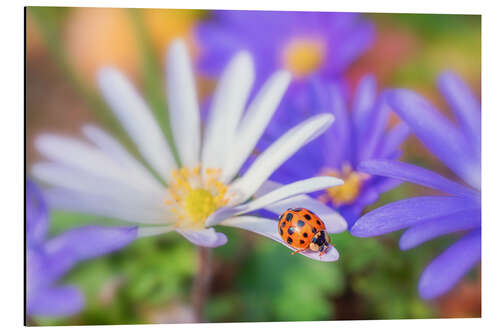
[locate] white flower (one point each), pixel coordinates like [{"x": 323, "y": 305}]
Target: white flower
[{"x": 105, "y": 179}]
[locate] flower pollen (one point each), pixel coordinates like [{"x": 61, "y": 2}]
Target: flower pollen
[
  {"x": 302, "y": 56},
  {"x": 195, "y": 195},
  {"x": 349, "y": 191}
]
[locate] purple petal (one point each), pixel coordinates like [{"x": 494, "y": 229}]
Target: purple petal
[
  {"x": 91, "y": 241},
  {"x": 204, "y": 237},
  {"x": 338, "y": 136},
  {"x": 437, "y": 133},
  {"x": 417, "y": 175},
  {"x": 404, "y": 213},
  {"x": 36, "y": 214},
  {"x": 364, "y": 99},
  {"x": 464, "y": 104},
  {"x": 393, "y": 139},
  {"x": 57, "y": 301},
  {"x": 442, "y": 225},
  {"x": 447, "y": 269},
  {"x": 358, "y": 41},
  {"x": 371, "y": 137},
  {"x": 42, "y": 270}
]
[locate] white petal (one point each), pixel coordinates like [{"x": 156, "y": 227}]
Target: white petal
[
  {"x": 117, "y": 152},
  {"x": 152, "y": 231},
  {"x": 105, "y": 206},
  {"x": 334, "y": 222},
  {"x": 255, "y": 121},
  {"x": 204, "y": 237},
  {"x": 227, "y": 107},
  {"x": 78, "y": 157},
  {"x": 281, "y": 193},
  {"x": 85, "y": 183},
  {"x": 183, "y": 104},
  {"x": 137, "y": 119},
  {"x": 299, "y": 187},
  {"x": 269, "y": 228},
  {"x": 272, "y": 158}
]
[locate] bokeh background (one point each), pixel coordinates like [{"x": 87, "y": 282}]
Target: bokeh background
[{"x": 253, "y": 278}]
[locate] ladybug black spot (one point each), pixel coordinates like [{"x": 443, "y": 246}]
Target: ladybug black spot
[
  {"x": 301, "y": 223},
  {"x": 289, "y": 217},
  {"x": 302, "y": 241},
  {"x": 289, "y": 240},
  {"x": 305, "y": 234},
  {"x": 281, "y": 231},
  {"x": 307, "y": 216},
  {"x": 291, "y": 230},
  {"x": 314, "y": 230},
  {"x": 297, "y": 210},
  {"x": 318, "y": 222},
  {"x": 283, "y": 223},
  {"x": 281, "y": 216}
]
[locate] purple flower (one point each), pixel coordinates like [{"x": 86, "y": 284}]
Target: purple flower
[
  {"x": 458, "y": 146},
  {"x": 359, "y": 133},
  {"x": 47, "y": 260},
  {"x": 301, "y": 42}
]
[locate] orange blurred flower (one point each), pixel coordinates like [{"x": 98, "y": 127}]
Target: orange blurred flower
[{"x": 96, "y": 37}]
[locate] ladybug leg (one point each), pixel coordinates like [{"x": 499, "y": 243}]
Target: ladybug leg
[
  {"x": 323, "y": 250},
  {"x": 297, "y": 251}
]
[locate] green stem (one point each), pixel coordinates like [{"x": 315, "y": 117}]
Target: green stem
[{"x": 202, "y": 282}]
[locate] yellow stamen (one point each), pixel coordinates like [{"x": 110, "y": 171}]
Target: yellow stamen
[
  {"x": 195, "y": 195},
  {"x": 349, "y": 191},
  {"x": 302, "y": 56}
]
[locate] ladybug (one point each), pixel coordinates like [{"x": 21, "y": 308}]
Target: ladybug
[{"x": 302, "y": 230}]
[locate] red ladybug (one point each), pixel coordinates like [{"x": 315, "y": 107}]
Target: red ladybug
[{"x": 302, "y": 229}]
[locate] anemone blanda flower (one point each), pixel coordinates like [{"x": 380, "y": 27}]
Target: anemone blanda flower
[
  {"x": 458, "y": 146},
  {"x": 47, "y": 260},
  {"x": 206, "y": 189},
  {"x": 301, "y": 42},
  {"x": 360, "y": 132},
  {"x": 304, "y": 43}
]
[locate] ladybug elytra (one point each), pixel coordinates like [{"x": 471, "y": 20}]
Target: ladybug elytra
[{"x": 302, "y": 229}]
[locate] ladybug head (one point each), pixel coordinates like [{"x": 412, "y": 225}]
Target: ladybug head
[{"x": 320, "y": 241}]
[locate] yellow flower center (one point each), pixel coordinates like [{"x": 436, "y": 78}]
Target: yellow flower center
[
  {"x": 195, "y": 195},
  {"x": 302, "y": 56},
  {"x": 349, "y": 191}
]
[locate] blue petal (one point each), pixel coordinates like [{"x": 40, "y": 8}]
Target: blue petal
[
  {"x": 465, "y": 106},
  {"x": 363, "y": 102},
  {"x": 364, "y": 99},
  {"x": 90, "y": 241},
  {"x": 55, "y": 302},
  {"x": 417, "y": 175},
  {"x": 404, "y": 213},
  {"x": 437, "y": 133},
  {"x": 373, "y": 136},
  {"x": 447, "y": 269},
  {"x": 443, "y": 225},
  {"x": 356, "y": 41},
  {"x": 337, "y": 149},
  {"x": 43, "y": 270},
  {"x": 36, "y": 214},
  {"x": 392, "y": 140}
]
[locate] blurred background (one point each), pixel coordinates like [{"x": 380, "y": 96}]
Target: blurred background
[{"x": 253, "y": 278}]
